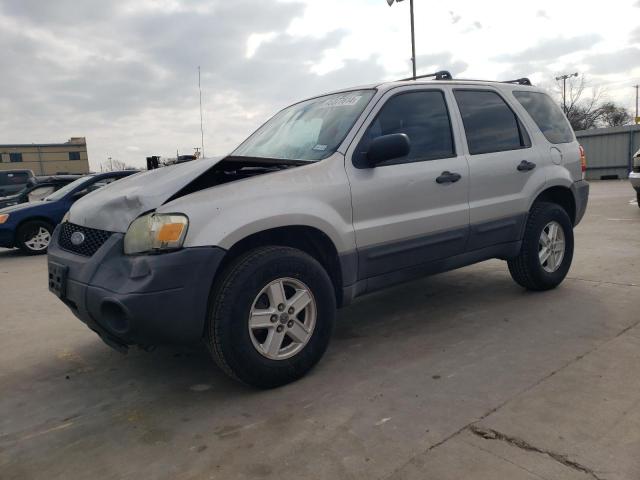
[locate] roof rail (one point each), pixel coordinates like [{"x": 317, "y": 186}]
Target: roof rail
[
  {"x": 441, "y": 75},
  {"x": 519, "y": 81}
]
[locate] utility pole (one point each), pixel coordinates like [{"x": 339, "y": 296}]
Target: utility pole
[
  {"x": 413, "y": 35},
  {"x": 564, "y": 89},
  {"x": 637, "y": 119},
  {"x": 201, "y": 127}
]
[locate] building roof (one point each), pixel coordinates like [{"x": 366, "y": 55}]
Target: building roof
[{"x": 75, "y": 141}]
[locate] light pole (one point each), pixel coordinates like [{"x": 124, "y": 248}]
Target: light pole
[
  {"x": 564, "y": 89},
  {"x": 413, "y": 35},
  {"x": 637, "y": 119}
]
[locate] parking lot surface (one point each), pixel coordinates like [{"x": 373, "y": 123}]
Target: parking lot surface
[{"x": 461, "y": 375}]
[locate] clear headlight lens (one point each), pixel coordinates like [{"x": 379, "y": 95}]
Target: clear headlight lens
[{"x": 156, "y": 232}]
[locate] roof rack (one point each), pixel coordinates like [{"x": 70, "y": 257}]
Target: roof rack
[
  {"x": 445, "y": 75},
  {"x": 519, "y": 81},
  {"x": 441, "y": 75}
]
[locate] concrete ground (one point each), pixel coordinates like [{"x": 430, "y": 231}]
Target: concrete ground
[{"x": 458, "y": 376}]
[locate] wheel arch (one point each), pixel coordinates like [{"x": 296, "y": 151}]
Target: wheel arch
[
  {"x": 560, "y": 195},
  {"x": 310, "y": 240}
]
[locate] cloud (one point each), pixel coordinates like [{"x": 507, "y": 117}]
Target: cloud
[
  {"x": 127, "y": 76},
  {"x": 614, "y": 62},
  {"x": 635, "y": 35},
  {"x": 454, "y": 17},
  {"x": 542, "y": 14},
  {"x": 552, "y": 48},
  {"x": 440, "y": 61}
]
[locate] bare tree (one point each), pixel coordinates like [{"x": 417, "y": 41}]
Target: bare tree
[
  {"x": 587, "y": 107},
  {"x": 614, "y": 115},
  {"x": 113, "y": 165}
]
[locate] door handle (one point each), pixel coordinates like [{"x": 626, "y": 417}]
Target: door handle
[
  {"x": 448, "y": 177},
  {"x": 526, "y": 166}
]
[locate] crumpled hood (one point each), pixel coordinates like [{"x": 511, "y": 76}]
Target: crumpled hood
[{"x": 114, "y": 207}]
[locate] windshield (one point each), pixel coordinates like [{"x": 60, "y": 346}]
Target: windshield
[
  {"x": 310, "y": 130},
  {"x": 55, "y": 196}
]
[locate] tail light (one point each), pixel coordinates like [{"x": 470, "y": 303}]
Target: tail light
[{"x": 583, "y": 161}]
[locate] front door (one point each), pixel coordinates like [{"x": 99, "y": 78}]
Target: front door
[{"x": 402, "y": 215}]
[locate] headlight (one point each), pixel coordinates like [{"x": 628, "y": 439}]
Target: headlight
[
  {"x": 4, "y": 217},
  {"x": 156, "y": 232}
]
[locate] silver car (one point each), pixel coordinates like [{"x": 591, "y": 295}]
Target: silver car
[{"x": 332, "y": 198}]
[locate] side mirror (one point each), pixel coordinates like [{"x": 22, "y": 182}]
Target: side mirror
[{"x": 388, "y": 147}]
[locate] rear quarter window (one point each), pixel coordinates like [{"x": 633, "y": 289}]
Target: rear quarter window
[
  {"x": 547, "y": 115},
  {"x": 13, "y": 178}
]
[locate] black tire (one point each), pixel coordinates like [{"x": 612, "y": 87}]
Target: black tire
[
  {"x": 526, "y": 268},
  {"x": 638, "y": 198},
  {"x": 27, "y": 231},
  {"x": 232, "y": 297}
]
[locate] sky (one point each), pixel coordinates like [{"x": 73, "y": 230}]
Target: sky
[{"x": 124, "y": 73}]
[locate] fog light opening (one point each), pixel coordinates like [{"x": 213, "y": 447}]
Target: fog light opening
[{"x": 115, "y": 316}]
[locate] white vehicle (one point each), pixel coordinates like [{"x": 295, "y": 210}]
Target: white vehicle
[
  {"x": 332, "y": 198},
  {"x": 634, "y": 175}
]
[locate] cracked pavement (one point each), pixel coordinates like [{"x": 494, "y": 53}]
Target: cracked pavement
[{"x": 458, "y": 376}]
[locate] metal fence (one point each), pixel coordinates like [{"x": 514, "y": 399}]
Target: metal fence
[{"x": 609, "y": 150}]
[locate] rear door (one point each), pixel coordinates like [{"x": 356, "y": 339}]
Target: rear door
[
  {"x": 401, "y": 215},
  {"x": 502, "y": 165}
]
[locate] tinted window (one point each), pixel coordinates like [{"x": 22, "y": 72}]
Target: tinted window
[
  {"x": 547, "y": 116},
  {"x": 490, "y": 125},
  {"x": 15, "y": 157},
  {"x": 423, "y": 116},
  {"x": 14, "y": 178},
  {"x": 74, "y": 155}
]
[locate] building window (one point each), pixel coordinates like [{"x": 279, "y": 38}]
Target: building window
[
  {"x": 15, "y": 157},
  {"x": 74, "y": 155}
]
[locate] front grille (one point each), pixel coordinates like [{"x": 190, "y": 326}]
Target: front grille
[{"x": 93, "y": 239}]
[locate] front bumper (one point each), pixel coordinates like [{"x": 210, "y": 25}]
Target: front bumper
[
  {"x": 6, "y": 237},
  {"x": 634, "y": 178},
  {"x": 139, "y": 300},
  {"x": 580, "y": 191}
]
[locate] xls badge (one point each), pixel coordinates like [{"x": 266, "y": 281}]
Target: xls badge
[{"x": 77, "y": 238}]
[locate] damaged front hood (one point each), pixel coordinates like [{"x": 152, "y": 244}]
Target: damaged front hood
[{"x": 114, "y": 207}]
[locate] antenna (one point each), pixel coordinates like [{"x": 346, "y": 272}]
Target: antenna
[{"x": 201, "y": 126}]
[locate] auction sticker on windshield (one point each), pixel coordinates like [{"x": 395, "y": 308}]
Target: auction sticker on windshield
[{"x": 341, "y": 101}]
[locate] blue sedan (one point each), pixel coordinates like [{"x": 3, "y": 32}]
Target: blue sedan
[{"x": 29, "y": 226}]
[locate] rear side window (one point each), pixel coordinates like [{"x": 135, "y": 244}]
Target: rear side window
[
  {"x": 547, "y": 115},
  {"x": 489, "y": 123},
  {"x": 14, "y": 178},
  {"x": 423, "y": 117}
]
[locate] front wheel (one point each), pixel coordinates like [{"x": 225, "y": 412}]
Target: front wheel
[
  {"x": 547, "y": 248},
  {"x": 272, "y": 316},
  {"x": 33, "y": 237}
]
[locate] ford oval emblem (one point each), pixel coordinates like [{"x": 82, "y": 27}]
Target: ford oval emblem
[{"x": 77, "y": 238}]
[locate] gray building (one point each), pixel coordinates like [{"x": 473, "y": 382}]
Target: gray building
[{"x": 609, "y": 150}]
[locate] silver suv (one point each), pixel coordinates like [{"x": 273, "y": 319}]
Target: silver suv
[{"x": 333, "y": 198}]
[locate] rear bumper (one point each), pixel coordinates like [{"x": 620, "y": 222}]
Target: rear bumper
[
  {"x": 139, "y": 300},
  {"x": 634, "y": 178},
  {"x": 580, "y": 191}
]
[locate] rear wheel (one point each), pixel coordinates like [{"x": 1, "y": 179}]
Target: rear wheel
[
  {"x": 33, "y": 237},
  {"x": 638, "y": 198},
  {"x": 272, "y": 316},
  {"x": 547, "y": 248}
]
